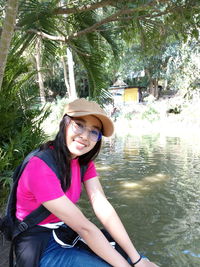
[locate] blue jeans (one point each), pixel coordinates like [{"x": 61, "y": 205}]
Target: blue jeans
[{"x": 56, "y": 256}]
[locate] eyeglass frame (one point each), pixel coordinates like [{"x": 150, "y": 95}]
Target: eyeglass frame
[{"x": 83, "y": 129}]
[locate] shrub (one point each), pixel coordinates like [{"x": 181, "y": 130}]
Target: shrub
[{"x": 20, "y": 119}]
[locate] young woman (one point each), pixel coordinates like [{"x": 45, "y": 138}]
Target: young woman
[{"x": 77, "y": 143}]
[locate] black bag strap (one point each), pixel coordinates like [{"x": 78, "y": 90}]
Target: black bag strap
[
  {"x": 11, "y": 205},
  {"x": 41, "y": 213},
  {"x": 31, "y": 220}
]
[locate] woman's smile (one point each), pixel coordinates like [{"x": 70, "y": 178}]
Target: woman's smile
[{"x": 80, "y": 143}]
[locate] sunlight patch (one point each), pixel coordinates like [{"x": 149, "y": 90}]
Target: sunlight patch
[
  {"x": 155, "y": 178},
  {"x": 104, "y": 168},
  {"x": 131, "y": 185}
]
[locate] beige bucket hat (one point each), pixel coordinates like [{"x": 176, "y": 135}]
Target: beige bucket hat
[{"x": 82, "y": 107}]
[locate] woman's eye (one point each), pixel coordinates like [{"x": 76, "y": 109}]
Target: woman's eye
[
  {"x": 79, "y": 125},
  {"x": 95, "y": 132}
]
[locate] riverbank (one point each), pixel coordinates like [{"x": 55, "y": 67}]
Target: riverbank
[
  {"x": 170, "y": 117},
  {"x": 169, "y": 127}
]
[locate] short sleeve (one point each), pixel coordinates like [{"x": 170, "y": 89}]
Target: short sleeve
[
  {"x": 41, "y": 181},
  {"x": 90, "y": 172}
]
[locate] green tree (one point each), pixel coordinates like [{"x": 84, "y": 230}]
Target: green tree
[
  {"x": 6, "y": 34},
  {"x": 183, "y": 68},
  {"x": 89, "y": 28},
  {"x": 150, "y": 36},
  {"x": 91, "y": 22},
  {"x": 20, "y": 118}
]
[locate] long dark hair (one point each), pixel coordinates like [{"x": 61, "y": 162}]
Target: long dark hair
[{"x": 63, "y": 156}]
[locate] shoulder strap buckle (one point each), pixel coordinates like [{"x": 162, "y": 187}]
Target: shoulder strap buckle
[{"x": 22, "y": 226}]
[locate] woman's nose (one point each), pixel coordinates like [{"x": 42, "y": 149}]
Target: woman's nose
[{"x": 85, "y": 134}]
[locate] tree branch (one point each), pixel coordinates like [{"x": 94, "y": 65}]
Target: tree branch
[
  {"x": 47, "y": 36},
  {"x": 84, "y": 8},
  {"x": 103, "y": 3},
  {"x": 113, "y": 17},
  {"x": 122, "y": 14}
]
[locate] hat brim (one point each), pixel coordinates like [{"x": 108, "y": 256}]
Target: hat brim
[{"x": 108, "y": 126}]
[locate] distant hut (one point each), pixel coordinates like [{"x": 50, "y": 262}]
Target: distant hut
[{"x": 122, "y": 93}]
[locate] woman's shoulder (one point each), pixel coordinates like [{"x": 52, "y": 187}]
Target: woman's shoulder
[
  {"x": 37, "y": 164},
  {"x": 90, "y": 171}
]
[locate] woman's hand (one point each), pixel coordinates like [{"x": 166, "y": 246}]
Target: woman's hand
[{"x": 144, "y": 262}]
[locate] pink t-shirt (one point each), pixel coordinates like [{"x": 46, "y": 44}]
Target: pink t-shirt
[{"x": 39, "y": 183}]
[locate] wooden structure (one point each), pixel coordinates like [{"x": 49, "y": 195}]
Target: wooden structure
[
  {"x": 131, "y": 94},
  {"x": 124, "y": 94}
]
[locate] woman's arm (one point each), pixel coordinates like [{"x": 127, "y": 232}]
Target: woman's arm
[
  {"x": 111, "y": 221},
  {"x": 64, "y": 209}
]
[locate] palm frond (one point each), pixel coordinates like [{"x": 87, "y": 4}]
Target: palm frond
[{"x": 92, "y": 60}]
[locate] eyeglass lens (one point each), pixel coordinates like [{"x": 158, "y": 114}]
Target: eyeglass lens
[{"x": 78, "y": 128}]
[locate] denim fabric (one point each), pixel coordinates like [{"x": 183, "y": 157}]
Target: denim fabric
[{"x": 56, "y": 256}]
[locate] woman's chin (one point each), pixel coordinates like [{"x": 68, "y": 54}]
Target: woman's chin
[{"x": 77, "y": 153}]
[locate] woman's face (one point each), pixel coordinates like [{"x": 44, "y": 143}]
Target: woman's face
[{"x": 81, "y": 143}]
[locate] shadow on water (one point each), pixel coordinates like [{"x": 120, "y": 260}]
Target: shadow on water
[{"x": 153, "y": 182}]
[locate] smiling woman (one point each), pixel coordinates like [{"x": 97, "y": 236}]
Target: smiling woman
[{"x": 57, "y": 185}]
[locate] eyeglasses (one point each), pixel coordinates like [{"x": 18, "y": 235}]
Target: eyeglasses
[{"x": 78, "y": 127}]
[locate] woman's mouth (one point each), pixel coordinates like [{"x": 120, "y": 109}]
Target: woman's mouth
[{"x": 80, "y": 144}]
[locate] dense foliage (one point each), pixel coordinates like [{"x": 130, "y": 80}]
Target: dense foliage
[
  {"x": 107, "y": 38},
  {"x": 21, "y": 117}
]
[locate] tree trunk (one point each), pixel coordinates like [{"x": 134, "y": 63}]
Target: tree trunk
[
  {"x": 65, "y": 75},
  {"x": 69, "y": 82},
  {"x": 153, "y": 84},
  {"x": 153, "y": 87},
  {"x": 38, "y": 67},
  {"x": 70, "y": 61},
  {"x": 155, "y": 92},
  {"x": 147, "y": 73},
  {"x": 6, "y": 35},
  {"x": 165, "y": 84}
]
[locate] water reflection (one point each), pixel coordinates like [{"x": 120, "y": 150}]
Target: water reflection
[{"x": 153, "y": 182}]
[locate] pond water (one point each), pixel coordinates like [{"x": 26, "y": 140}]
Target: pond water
[{"x": 153, "y": 182}]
